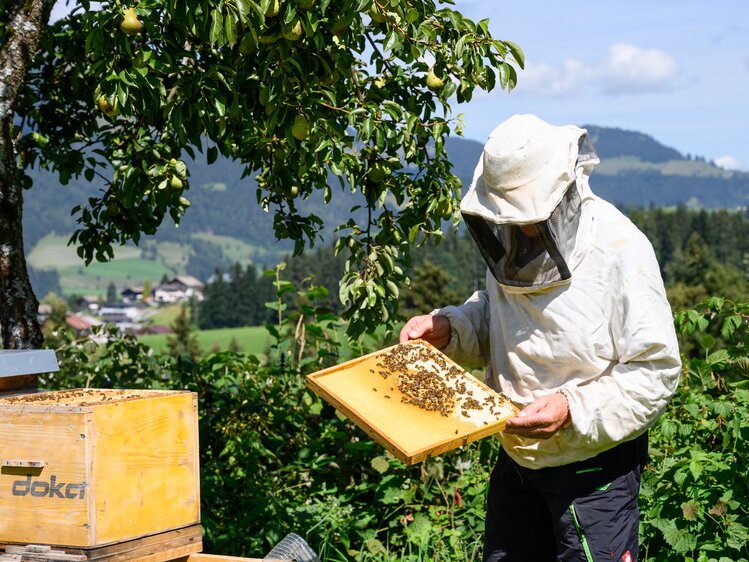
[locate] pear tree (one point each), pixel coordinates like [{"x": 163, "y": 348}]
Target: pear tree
[{"x": 316, "y": 98}]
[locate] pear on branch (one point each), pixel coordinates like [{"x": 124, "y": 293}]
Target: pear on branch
[
  {"x": 274, "y": 8},
  {"x": 434, "y": 82},
  {"x": 108, "y": 108},
  {"x": 300, "y": 128},
  {"x": 294, "y": 31},
  {"x": 130, "y": 24}
]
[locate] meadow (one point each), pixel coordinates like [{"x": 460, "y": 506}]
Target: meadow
[{"x": 251, "y": 339}]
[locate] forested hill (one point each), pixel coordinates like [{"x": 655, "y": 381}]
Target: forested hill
[{"x": 635, "y": 170}]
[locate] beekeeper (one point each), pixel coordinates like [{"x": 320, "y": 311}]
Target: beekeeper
[{"x": 575, "y": 327}]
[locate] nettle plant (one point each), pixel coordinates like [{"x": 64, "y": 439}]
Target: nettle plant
[
  {"x": 324, "y": 98},
  {"x": 696, "y": 488}
]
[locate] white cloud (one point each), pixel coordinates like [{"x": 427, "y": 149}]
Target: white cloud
[
  {"x": 630, "y": 69},
  {"x": 546, "y": 81},
  {"x": 728, "y": 163},
  {"x": 626, "y": 70}
]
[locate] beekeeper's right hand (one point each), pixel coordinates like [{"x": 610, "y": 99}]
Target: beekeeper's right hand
[{"x": 433, "y": 328}]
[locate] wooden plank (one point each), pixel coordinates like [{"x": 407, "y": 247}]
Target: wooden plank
[
  {"x": 161, "y": 547},
  {"x": 166, "y": 546},
  {"x": 146, "y": 466},
  {"x": 49, "y": 504},
  {"x": 368, "y": 392},
  {"x": 200, "y": 557}
]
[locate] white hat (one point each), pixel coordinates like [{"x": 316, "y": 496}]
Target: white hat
[{"x": 525, "y": 168}]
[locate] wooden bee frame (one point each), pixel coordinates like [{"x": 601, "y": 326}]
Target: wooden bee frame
[{"x": 394, "y": 396}]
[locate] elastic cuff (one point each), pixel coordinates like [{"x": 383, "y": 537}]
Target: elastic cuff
[{"x": 568, "y": 422}]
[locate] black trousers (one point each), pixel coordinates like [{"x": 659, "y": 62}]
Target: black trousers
[{"x": 585, "y": 511}]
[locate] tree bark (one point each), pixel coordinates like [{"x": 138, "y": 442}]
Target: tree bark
[{"x": 19, "y": 327}]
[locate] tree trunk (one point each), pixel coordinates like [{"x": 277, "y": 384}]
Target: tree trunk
[{"x": 19, "y": 327}]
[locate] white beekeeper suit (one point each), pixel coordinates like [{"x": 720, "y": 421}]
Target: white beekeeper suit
[{"x": 579, "y": 309}]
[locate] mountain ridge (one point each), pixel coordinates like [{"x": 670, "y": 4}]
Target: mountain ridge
[{"x": 636, "y": 170}]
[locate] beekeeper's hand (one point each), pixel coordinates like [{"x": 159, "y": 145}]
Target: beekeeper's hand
[
  {"x": 541, "y": 419},
  {"x": 433, "y": 328}
]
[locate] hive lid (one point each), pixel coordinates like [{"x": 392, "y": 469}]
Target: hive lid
[{"x": 15, "y": 362}]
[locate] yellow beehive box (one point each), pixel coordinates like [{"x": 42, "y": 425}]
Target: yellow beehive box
[{"x": 91, "y": 467}]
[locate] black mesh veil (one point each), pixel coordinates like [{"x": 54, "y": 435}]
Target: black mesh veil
[{"x": 533, "y": 255}]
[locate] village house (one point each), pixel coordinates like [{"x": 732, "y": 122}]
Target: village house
[{"x": 178, "y": 289}]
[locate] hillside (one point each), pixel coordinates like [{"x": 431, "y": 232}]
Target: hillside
[{"x": 225, "y": 224}]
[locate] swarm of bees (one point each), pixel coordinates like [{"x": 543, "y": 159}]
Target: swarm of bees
[{"x": 427, "y": 380}]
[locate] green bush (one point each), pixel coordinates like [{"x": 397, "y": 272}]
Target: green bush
[
  {"x": 695, "y": 489},
  {"x": 275, "y": 458}
]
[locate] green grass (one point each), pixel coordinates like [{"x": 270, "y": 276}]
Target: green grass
[
  {"x": 127, "y": 268},
  {"x": 233, "y": 248},
  {"x": 53, "y": 252},
  {"x": 166, "y": 315},
  {"x": 173, "y": 255},
  {"x": 251, "y": 339},
  {"x": 96, "y": 277},
  {"x": 237, "y": 250},
  {"x": 132, "y": 270}
]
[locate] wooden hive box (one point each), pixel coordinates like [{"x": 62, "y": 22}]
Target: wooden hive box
[
  {"x": 91, "y": 467},
  {"x": 413, "y": 400}
]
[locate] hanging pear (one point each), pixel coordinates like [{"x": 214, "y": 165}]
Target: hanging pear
[
  {"x": 434, "y": 82},
  {"x": 130, "y": 24}
]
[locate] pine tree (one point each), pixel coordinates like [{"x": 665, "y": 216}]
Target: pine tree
[
  {"x": 234, "y": 346},
  {"x": 111, "y": 292},
  {"x": 183, "y": 342}
]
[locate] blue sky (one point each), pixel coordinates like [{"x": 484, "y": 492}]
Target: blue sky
[{"x": 676, "y": 70}]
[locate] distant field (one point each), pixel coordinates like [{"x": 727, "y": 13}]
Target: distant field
[
  {"x": 53, "y": 252},
  {"x": 95, "y": 278},
  {"x": 252, "y": 339},
  {"x": 127, "y": 268},
  {"x": 173, "y": 255},
  {"x": 238, "y": 251},
  {"x": 166, "y": 315}
]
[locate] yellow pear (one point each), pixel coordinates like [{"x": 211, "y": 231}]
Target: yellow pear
[
  {"x": 300, "y": 128},
  {"x": 130, "y": 24},
  {"x": 294, "y": 31},
  {"x": 107, "y": 108},
  {"x": 434, "y": 82},
  {"x": 274, "y": 8}
]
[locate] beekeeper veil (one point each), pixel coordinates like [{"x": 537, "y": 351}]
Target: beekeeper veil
[{"x": 524, "y": 205}]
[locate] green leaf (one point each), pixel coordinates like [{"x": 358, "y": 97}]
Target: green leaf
[
  {"x": 517, "y": 53},
  {"x": 230, "y": 31},
  {"x": 695, "y": 467},
  {"x": 707, "y": 342},
  {"x": 680, "y": 540},
  {"x": 380, "y": 464},
  {"x": 217, "y": 26},
  {"x": 211, "y": 154}
]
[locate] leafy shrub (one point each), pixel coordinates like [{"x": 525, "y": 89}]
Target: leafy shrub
[
  {"x": 695, "y": 490},
  {"x": 275, "y": 458}
]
